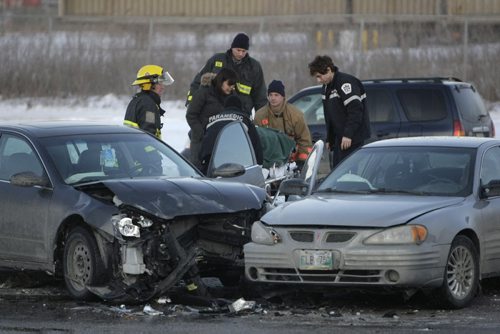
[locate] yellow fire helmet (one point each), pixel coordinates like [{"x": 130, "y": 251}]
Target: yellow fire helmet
[{"x": 152, "y": 74}]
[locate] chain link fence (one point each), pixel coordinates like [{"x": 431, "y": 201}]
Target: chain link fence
[{"x": 44, "y": 55}]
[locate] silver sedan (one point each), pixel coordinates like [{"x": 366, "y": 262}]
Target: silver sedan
[{"x": 413, "y": 213}]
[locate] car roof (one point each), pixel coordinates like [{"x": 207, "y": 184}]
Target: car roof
[
  {"x": 436, "y": 141},
  {"x": 406, "y": 81},
  {"x": 50, "y": 129}
]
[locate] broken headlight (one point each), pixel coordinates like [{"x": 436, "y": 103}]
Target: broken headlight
[
  {"x": 262, "y": 234},
  {"x": 127, "y": 228}
]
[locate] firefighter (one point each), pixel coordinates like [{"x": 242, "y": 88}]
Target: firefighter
[
  {"x": 144, "y": 109},
  {"x": 251, "y": 87},
  {"x": 285, "y": 117}
]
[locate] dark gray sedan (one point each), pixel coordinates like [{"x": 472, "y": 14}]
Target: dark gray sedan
[
  {"x": 113, "y": 210},
  {"x": 414, "y": 213}
]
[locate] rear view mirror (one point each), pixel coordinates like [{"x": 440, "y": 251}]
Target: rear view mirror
[
  {"x": 229, "y": 170},
  {"x": 490, "y": 189},
  {"x": 294, "y": 187},
  {"x": 29, "y": 179}
]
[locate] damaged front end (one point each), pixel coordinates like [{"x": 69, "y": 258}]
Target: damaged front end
[
  {"x": 165, "y": 230},
  {"x": 149, "y": 255}
]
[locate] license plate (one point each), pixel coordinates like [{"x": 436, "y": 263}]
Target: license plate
[{"x": 316, "y": 260}]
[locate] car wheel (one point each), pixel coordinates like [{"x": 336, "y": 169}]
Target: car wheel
[
  {"x": 461, "y": 275},
  {"x": 82, "y": 264}
]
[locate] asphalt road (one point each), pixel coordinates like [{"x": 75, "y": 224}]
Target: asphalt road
[{"x": 36, "y": 304}]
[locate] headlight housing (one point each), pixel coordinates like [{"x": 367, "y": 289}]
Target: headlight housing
[
  {"x": 401, "y": 235},
  {"x": 264, "y": 235},
  {"x": 127, "y": 228}
]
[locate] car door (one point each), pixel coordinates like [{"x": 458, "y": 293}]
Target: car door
[
  {"x": 309, "y": 172},
  {"x": 24, "y": 209},
  {"x": 490, "y": 252},
  {"x": 233, "y": 145}
]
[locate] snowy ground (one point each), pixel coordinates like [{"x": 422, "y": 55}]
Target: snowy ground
[{"x": 110, "y": 109}]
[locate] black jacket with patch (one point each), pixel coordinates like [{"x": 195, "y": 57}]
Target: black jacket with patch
[{"x": 344, "y": 105}]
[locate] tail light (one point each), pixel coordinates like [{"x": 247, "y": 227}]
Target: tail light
[
  {"x": 492, "y": 129},
  {"x": 458, "y": 129}
]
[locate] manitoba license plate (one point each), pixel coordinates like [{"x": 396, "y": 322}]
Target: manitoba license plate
[{"x": 316, "y": 260}]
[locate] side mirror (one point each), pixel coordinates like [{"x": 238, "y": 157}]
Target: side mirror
[
  {"x": 29, "y": 179},
  {"x": 294, "y": 187},
  {"x": 490, "y": 189},
  {"x": 228, "y": 170}
]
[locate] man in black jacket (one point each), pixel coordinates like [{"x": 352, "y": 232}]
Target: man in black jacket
[
  {"x": 344, "y": 105},
  {"x": 232, "y": 113},
  {"x": 251, "y": 87},
  {"x": 144, "y": 109}
]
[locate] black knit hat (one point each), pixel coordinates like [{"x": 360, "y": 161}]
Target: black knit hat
[
  {"x": 232, "y": 101},
  {"x": 241, "y": 41},
  {"x": 276, "y": 86}
]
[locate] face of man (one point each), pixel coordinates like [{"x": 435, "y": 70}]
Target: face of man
[
  {"x": 159, "y": 88},
  {"x": 275, "y": 99},
  {"x": 239, "y": 54},
  {"x": 326, "y": 78}
]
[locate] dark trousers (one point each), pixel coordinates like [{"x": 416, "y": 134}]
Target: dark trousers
[{"x": 339, "y": 155}]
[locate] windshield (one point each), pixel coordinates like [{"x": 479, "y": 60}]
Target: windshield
[
  {"x": 441, "y": 171},
  {"x": 95, "y": 157}
]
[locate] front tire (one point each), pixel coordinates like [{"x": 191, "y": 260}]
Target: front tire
[
  {"x": 461, "y": 274},
  {"x": 82, "y": 263}
]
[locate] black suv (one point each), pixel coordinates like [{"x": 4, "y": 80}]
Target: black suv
[{"x": 410, "y": 107}]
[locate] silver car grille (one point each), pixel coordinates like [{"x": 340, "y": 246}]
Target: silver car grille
[
  {"x": 321, "y": 276},
  {"x": 331, "y": 237}
]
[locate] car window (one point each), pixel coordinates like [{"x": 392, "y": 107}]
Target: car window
[
  {"x": 380, "y": 106},
  {"x": 422, "y": 104},
  {"x": 16, "y": 156},
  {"x": 110, "y": 156},
  {"x": 490, "y": 167},
  {"x": 469, "y": 103},
  {"x": 233, "y": 146},
  {"x": 417, "y": 170},
  {"x": 312, "y": 107}
]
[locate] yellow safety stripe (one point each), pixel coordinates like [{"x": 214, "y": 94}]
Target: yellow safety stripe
[
  {"x": 130, "y": 123},
  {"x": 244, "y": 89},
  {"x": 218, "y": 64}
]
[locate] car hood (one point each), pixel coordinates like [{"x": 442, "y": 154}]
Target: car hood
[
  {"x": 169, "y": 198},
  {"x": 356, "y": 210}
]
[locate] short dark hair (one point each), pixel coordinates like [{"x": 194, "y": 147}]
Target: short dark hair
[
  {"x": 225, "y": 74},
  {"x": 320, "y": 65}
]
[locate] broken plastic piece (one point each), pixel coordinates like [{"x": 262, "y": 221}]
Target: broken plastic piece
[
  {"x": 240, "y": 305},
  {"x": 151, "y": 311}
]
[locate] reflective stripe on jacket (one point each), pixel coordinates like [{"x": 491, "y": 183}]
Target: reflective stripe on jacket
[{"x": 251, "y": 85}]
